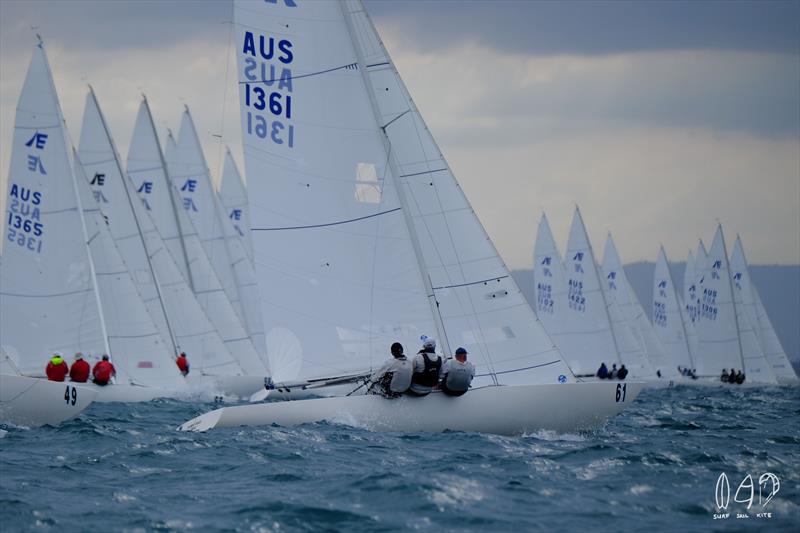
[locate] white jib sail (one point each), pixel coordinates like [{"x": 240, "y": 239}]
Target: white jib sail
[
  {"x": 668, "y": 318},
  {"x": 757, "y": 366},
  {"x": 717, "y": 331},
  {"x": 47, "y": 292},
  {"x": 621, "y": 313},
  {"x": 588, "y": 319},
  {"x": 147, "y": 170},
  {"x": 329, "y": 131},
  {"x": 233, "y": 194},
  {"x": 189, "y": 174},
  {"x": 689, "y": 307},
  {"x": 169, "y": 299},
  {"x": 781, "y": 366}
]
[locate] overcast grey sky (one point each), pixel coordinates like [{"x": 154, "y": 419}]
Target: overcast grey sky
[{"x": 658, "y": 118}]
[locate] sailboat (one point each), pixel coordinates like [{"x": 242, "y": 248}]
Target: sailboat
[
  {"x": 183, "y": 324},
  {"x": 228, "y": 257},
  {"x": 627, "y": 325},
  {"x": 64, "y": 285},
  {"x": 148, "y": 171},
  {"x": 233, "y": 195},
  {"x": 364, "y": 238},
  {"x": 30, "y": 402},
  {"x": 768, "y": 363},
  {"x": 668, "y": 319}
]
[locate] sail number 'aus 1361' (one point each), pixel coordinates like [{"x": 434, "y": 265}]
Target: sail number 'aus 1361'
[{"x": 267, "y": 88}]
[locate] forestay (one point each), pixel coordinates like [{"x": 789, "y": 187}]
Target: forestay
[
  {"x": 233, "y": 194},
  {"x": 190, "y": 176},
  {"x": 168, "y": 297},
  {"x": 717, "y": 332},
  {"x": 329, "y": 133},
  {"x": 147, "y": 170},
  {"x": 668, "y": 318}
]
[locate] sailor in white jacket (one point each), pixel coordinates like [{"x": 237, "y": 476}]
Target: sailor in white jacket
[
  {"x": 457, "y": 374},
  {"x": 394, "y": 377}
]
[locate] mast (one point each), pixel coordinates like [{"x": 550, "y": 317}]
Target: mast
[
  {"x": 426, "y": 281},
  {"x": 171, "y": 195},
  {"x": 122, "y": 173}
]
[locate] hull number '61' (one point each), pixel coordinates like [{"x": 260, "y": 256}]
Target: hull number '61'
[
  {"x": 621, "y": 390},
  {"x": 71, "y": 395}
]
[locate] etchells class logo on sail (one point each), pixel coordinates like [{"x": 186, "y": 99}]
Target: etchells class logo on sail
[
  {"x": 749, "y": 507},
  {"x": 266, "y": 83},
  {"x": 24, "y": 222}
]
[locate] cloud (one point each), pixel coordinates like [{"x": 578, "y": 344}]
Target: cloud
[{"x": 592, "y": 27}]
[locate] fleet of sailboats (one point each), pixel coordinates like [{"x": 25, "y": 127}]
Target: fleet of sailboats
[{"x": 355, "y": 235}]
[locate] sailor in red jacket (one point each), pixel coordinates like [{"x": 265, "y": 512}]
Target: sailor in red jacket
[
  {"x": 183, "y": 363},
  {"x": 103, "y": 371},
  {"x": 79, "y": 372},
  {"x": 57, "y": 368}
]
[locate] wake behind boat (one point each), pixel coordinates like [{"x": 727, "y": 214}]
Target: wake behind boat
[{"x": 511, "y": 410}]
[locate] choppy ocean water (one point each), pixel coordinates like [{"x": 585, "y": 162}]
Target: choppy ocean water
[{"x": 126, "y": 468}]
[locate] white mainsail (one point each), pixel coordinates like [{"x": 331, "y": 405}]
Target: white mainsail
[
  {"x": 362, "y": 236},
  {"x": 65, "y": 286},
  {"x": 668, "y": 318},
  {"x": 587, "y": 310},
  {"x": 757, "y": 367},
  {"x": 622, "y": 313},
  {"x": 47, "y": 288},
  {"x": 717, "y": 331},
  {"x": 689, "y": 310},
  {"x": 148, "y": 172},
  {"x": 233, "y": 195},
  {"x": 169, "y": 299},
  {"x": 228, "y": 256},
  {"x": 781, "y": 366}
]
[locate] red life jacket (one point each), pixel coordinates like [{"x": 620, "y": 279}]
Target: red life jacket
[
  {"x": 79, "y": 371},
  {"x": 183, "y": 364},
  {"x": 56, "y": 372},
  {"x": 102, "y": 372}
]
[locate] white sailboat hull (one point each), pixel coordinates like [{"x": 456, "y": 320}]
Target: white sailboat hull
[
  {"x": 27, "y": 401},
  {"x": 124, "y": 393},
  {"x": 505, "y": 410},
  {"x": 237, "y": 386}
]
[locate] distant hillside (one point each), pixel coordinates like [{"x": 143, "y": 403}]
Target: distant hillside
[{"x": 779, "y": 287}]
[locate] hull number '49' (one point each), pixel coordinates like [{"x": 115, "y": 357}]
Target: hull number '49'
[
  {"x": 621, "y": 390},
  {"x": 71, "y": 395}
]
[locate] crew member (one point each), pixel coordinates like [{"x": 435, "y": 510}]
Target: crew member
[
  {"x": 79, "y": 372},
  {"x": 602, "y": 372},
  {"x": 57, "y": 369},
  {"x": 623, "y": 373},
  {"x": 457, "y": 374},
  {"x": 614, "y": 372},
  {"x": 724, "y": 377},
  {"x": 427, "y": 367},
  {"x": 103, "y": 371},
  {"x": 183, "y": 363},
  {"x": 394, "y": 377}
]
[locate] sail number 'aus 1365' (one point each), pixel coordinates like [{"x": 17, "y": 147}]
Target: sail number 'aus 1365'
[{"x": 267, "y": 88}]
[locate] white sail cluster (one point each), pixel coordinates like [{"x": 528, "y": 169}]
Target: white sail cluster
[
  {"x": 712, "y": 323},
  {"x": 101, "y": 259}
]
